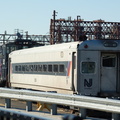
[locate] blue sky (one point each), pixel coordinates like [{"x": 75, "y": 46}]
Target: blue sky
[{"x": 34, "y": 15}]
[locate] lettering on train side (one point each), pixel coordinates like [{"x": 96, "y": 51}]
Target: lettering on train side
[{"x": 88, "y": 83}]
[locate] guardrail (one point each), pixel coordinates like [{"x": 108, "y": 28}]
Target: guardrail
[
  {"x": 85, "y": 102},
  {"x": 15, "y": 115}
]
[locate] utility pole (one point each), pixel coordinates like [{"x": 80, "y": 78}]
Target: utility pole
[{"x": 54, "y": 18}]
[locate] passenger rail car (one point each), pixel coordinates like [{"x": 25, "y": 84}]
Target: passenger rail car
[{"x": 90, "y": 67}]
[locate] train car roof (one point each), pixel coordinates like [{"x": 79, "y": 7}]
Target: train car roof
[
  {"x": 105, "y": 44},
  {"x": 80, "y": 45},
  {"x": 48, "y": 48}
]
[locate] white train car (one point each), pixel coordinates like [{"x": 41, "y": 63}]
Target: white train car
[
  {"x": 91, "y": 67},
  {"x": 45, "y": 68}
]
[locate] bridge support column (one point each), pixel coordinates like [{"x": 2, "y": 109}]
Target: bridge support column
[{"x": 7, "y": 103}]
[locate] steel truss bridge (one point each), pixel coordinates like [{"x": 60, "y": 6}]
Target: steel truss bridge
[
  {"x": 6, "y": 38},
  {"x": 62, "y": 30}
]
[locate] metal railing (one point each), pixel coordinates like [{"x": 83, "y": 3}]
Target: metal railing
[
  {"x": 6, "y": 114},
  {"x": 85, "y": 102}
]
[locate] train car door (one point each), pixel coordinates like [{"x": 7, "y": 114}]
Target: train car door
[
  {"x": 108, "y": 72},
  {"x": 89, "y": 75}
]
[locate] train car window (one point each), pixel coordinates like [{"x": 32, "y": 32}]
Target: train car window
[
  {"x": 44, "y": 68},
  {"x": 61, "y": 68},
  {"x": 55, "y": 68},
  {"x": 26, "y": 67},
  {"x": 35, "y": 67},
  {"x": 49, "y": 68},
  {"x": 19, "y": 68},
  {"x": 31, "y": 67},
  {"x": 23, "y": 67},
  {"x": 16, "y": 68},
  {"x": 39, "y": 67},
  {"x": 108, "y": 61},
  {"x": 88, "y": 67}
]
